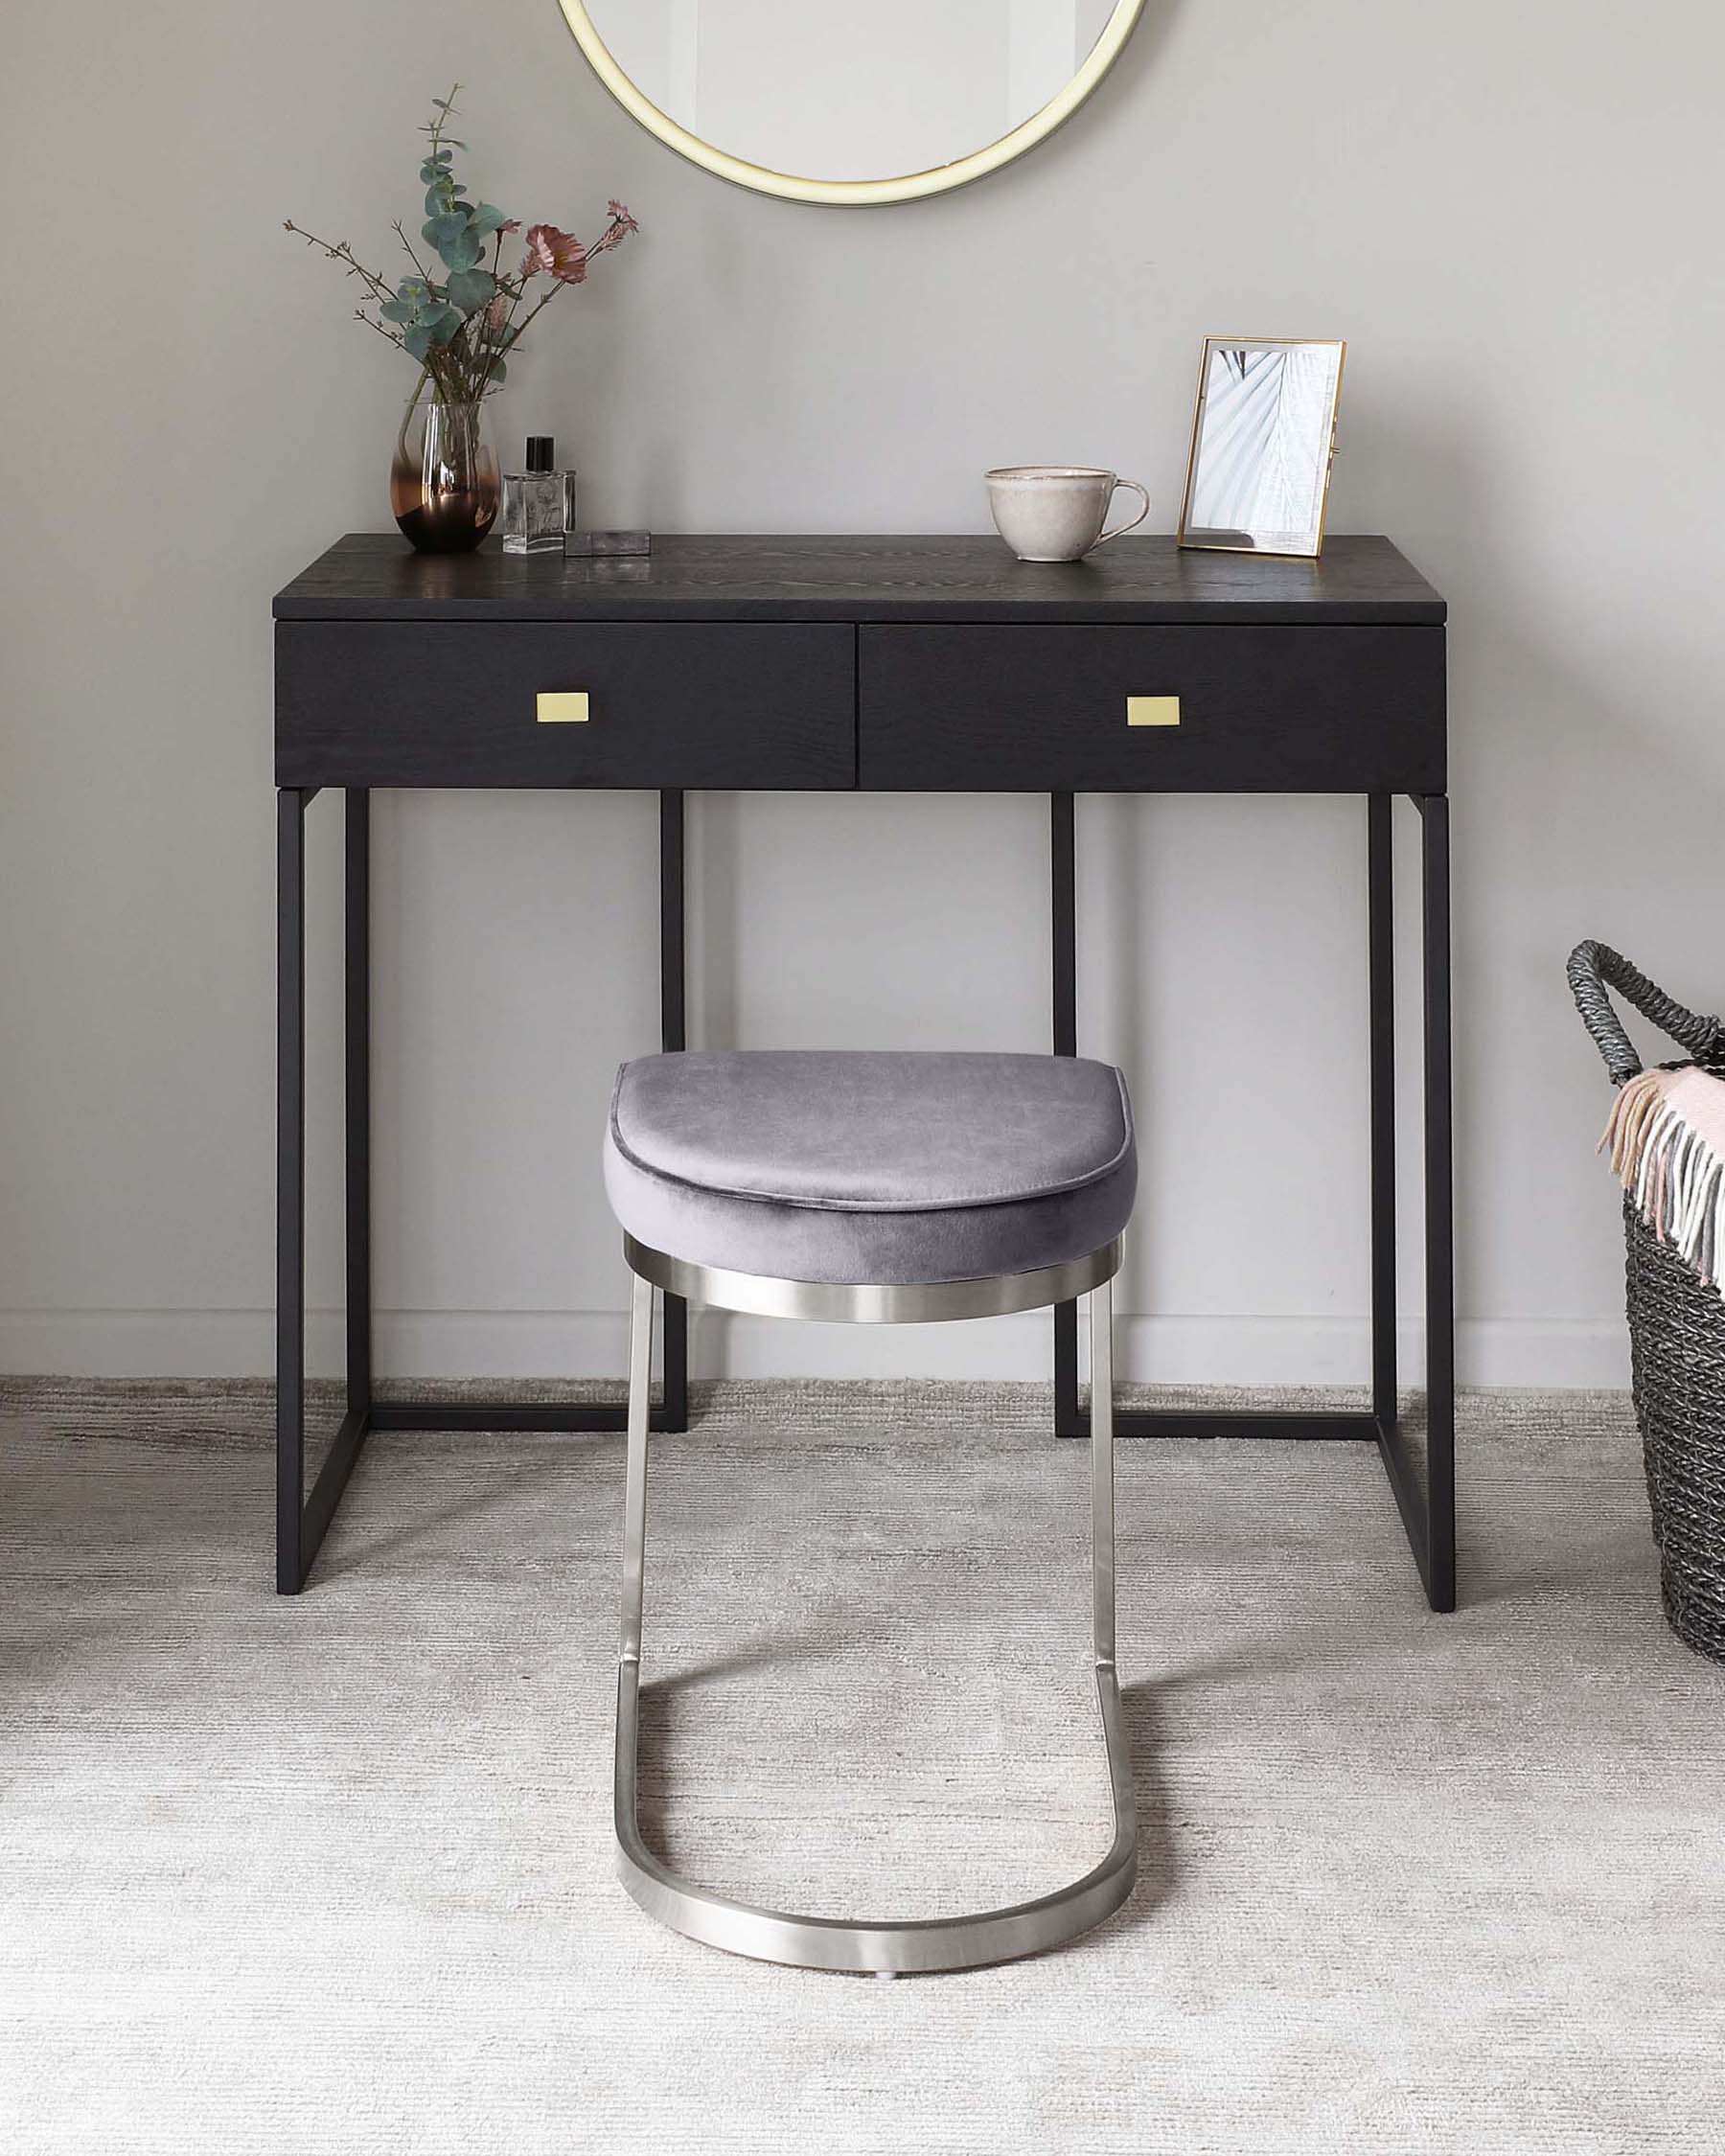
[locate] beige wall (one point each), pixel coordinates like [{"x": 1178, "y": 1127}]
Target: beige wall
[{"x": 1511, "y": 214}]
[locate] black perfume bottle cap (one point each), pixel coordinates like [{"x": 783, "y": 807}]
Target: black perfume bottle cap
[{"x": 542, "y": 452}]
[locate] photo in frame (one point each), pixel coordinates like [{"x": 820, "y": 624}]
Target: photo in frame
[{"x": 1263, "y": 444}]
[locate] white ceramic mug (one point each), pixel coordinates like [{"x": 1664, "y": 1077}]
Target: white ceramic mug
[{"x": 1056, "y": 512}]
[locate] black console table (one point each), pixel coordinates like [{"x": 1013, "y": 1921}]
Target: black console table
[{"x": 926, "y": 664}]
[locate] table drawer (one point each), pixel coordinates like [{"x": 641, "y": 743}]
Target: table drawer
[
  {"x": 666, "y": 704},
  {"x": 1180, "y": 710}
]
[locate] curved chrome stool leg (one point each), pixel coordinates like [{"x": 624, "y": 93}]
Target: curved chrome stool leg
[{"x": 921, "y": 1944}]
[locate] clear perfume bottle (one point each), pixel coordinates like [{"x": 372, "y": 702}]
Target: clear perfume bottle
[{"x": 533, "y": 501}]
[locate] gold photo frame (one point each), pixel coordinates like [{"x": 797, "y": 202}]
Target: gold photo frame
[{"x": 1263, "y": 445}]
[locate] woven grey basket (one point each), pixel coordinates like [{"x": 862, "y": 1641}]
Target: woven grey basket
[{"x": 1676, "y": 1328}]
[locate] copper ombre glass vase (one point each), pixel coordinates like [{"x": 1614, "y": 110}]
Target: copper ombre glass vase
[{"x": 443, "y": 479}]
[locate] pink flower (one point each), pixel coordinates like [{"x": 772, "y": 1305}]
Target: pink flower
[
  {"x": 560, "y": 254},
  {"x": 621, "y": 226},
  {"x": 510, "y": 224},
  {"x": 496, "y": 315}
]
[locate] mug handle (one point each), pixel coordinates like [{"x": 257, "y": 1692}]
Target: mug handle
[{"x": 1131, "y": 521}]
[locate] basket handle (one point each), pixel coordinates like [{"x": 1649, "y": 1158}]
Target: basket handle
[{"x": 1593, "y": 969}]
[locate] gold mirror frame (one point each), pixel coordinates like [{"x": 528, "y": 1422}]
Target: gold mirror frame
[{"x": 907, "y": 187}]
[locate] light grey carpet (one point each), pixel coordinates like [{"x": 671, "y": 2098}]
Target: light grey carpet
[{"x": 334, "y": 1874}]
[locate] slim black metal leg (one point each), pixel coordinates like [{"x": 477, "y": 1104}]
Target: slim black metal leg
[
  {"x": 1440, "y": 1209},
  {"x": 1380, "y": 903},
  {"x": 1071, "y": 1419},
  {"x": 1069, "y": 1422},
  {"x": 1428, "y": 1503},
  {"x": 673, "y": 1022},
  {"x": 290, "y": 1185},
  {"x": 359, "y": 1102},
  {"x": 673, "y": 1039},
  {"x": 1428, "y": 1515},
  {"x": 1063, "y": 860},
  {"x": 301, "y": 1520}
]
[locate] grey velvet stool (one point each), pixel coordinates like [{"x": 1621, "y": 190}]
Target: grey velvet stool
[{"x": 873, "y": 1188}]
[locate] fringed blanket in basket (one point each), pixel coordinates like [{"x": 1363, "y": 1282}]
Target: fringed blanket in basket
[{"x": 1666, "y": 1137}]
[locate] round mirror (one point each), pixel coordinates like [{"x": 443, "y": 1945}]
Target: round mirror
[{"x": 831, "y": 101}]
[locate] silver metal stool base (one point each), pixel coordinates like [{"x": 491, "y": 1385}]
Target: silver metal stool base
[{"x": 908, "y": 1946}]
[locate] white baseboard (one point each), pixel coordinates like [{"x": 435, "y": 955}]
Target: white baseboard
[{"x": 425, "y": 1343}]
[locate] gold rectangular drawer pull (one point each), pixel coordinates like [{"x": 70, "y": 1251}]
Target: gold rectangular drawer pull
[
  {"x": 1153, "y": 711},
  {"x": 563, "y": 707}
]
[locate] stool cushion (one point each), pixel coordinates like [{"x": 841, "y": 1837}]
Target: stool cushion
[{"x": 866, "y": 1167}]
